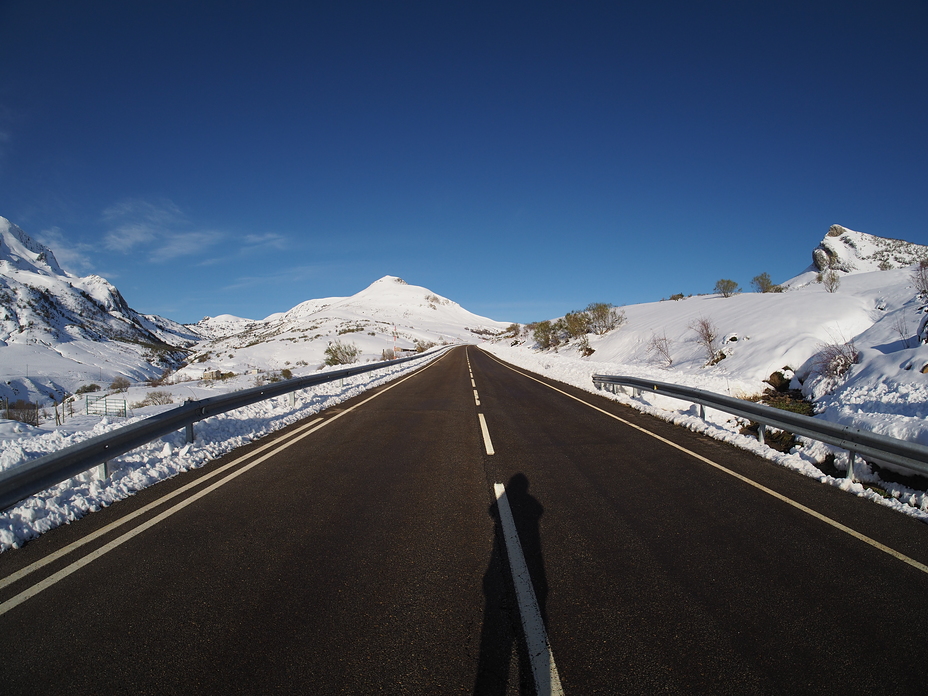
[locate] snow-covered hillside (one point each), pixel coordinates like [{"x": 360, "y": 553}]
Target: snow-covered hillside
[
  {"x": 849, "y": 251},
  {"x": 58, "y": 329},
  {"x": 366, "y": 320},
  {"x": 876, "y": 315},
  {"x": 873, "y": 311}
]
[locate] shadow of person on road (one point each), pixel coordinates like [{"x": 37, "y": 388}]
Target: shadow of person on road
[{"x": 501, "y": 633}]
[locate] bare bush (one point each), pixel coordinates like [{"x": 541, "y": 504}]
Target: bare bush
[
  {"x": 659, "y": 349},
  {"x": 920, "y": 277},
  {"x": 164, "y": 378},
  {"x": 900, "y": 326},
  {"x": 835, "y": 359},
  {"x": 155, "y": 398},
  {"x": 583, "y": 345},
  {"x": 830, "y": 279},
  {"x": 707, "y": 336},
  {"x": 23, "y": 411},
  {"x": 120, "y": 384}
]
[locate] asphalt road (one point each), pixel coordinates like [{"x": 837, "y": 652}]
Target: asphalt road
[{"x": 363, "y": 553}]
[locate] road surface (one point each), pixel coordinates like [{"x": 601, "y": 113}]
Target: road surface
[{"x": 365, "y": 551}]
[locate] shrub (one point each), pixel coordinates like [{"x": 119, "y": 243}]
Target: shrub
[
  {"x": 706, "y": 336},
  {"x": 835, "y": 359},
  {"x": 513, "y": 330},
  {"x": 726, "y": 287},
  {"x": 120, "y": 384},
  {"x": 659, "y": 349},
  {"x": 339, "y": 353},
  {"x": 286, "y": 373},
  {"x": 387, "y": 354},
  {"x": 544, "y": 334},
  {"x": 576, "y": 324},
  {"x": 87, "y": 388},
  {"x": 762, "y": 283},
  {"x": 23, "y": 411},
  {"x": 583, "y": 345},
  {"x": 830, "y": 279},
  {"x": 422, "y": 346},
  {"x": 162, "y": 379},
  {"x": 155, "y": 398},
  {"x": 920, "y": 277},
  {"x": 604, "y": 318}
]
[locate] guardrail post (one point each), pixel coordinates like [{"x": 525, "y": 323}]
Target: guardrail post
[
  {"x": 702, "y": 411},
  {"x": 292, "y": 399},
  {"x": 103, "y": 471},
  {"x": 851, "y": 456},
  {"x": 761, "y": 431},
  {"x": 189, "y": 429}
]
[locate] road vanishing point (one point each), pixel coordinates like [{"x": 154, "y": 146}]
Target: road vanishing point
[{"x": 473, "y": 528}]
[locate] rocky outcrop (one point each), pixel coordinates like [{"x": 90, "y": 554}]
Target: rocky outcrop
[{"x": 849, "y": 251}]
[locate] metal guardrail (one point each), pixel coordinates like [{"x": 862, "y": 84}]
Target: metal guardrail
[
  {"x": 36, "y": 475},
  {"x": 910, "y": 456}
]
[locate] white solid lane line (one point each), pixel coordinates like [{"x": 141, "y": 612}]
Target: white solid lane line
[
  {"x": 486, "y": 434},
  {"x": 544, "y": 671}
]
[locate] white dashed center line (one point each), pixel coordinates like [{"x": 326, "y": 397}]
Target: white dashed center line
[{"x": 486, "y": 434}]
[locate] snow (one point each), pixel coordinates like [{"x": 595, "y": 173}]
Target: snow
[
  {"x": 878, "y": 311},
  {"x": 161, "y": 458},
  {"x": 49, "y": 352}
]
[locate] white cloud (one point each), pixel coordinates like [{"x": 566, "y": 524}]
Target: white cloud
[
  {"x": 268, "y": 240},
  {"x": 158, "y": 228},
  {"x": 72, "y": 256},
  {"x": 171, "y": 246},
  {"x": 283, "y": 276},
  {"x": 126, "y": 237}
]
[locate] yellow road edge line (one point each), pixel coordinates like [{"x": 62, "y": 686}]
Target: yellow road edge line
[
  {"x": 779, "y": 496},
  {"x": 76, "y": 565}
]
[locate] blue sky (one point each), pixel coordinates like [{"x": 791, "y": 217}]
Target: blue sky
[{"x": 521, "y": 158}]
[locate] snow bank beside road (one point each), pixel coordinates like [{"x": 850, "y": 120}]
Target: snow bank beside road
[
  {"x": 578, "y": 372},
  {"x": 159, "y": 459}
]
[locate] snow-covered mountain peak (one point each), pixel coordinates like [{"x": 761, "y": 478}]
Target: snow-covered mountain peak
[
  {"x": 387, "y": 313},
  {"x": 23, "y": 253},
  {"x": 57, "y": 328},
  {"x": 846, "y": 250}
]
